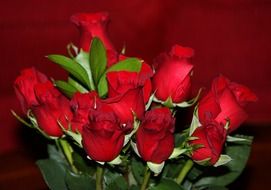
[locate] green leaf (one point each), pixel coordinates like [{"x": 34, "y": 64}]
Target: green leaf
[
  {"x": 82, "y": 163},
  {"x": 97, "y": 59},
  {"x": 180, "y": 138},
  {"x": 79, "y": 181},
  {"x": 195, "y": 172},
  {"x": 102, "y": 86},
  {"x": 114, "y": 181},
  {"x": 53, "y": 173},
  {"x": 167, "y": 184},
  {"x": 56, "y": 155},
  {"x": 173, "y": 168},
  {"x": 239, "y": 154},
  {"x": 77, "y": 85},
  {"x": 72, "y": 67},
  {"x": 66, "y": 88},
  {"x": 138, "y": 169},
  {"x": 83, "y": 59},
  {"x": 129, "y": 64},
  {"x": 134, "y": 187}
]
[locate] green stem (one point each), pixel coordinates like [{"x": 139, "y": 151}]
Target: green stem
[
  {"x": 99, "y": 177},
  {"x": 67, "y": 150},
  {"x": 186, "y": 168},
  {"x": 146, "y": 179}
]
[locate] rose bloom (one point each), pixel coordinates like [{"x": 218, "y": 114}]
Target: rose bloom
[
  {"x": 93, "y": 25},
  {"x": 103, "y": 136},
  {"x": 121, "y": 81},
  {"x": 154, "y": 138},
  {"x": 52, "y": 108},
  {"x": 24, "y": 87},
  {"x": 210, "y": 139},
  {"x": 225, "y": 101},
  {"x": 128, "y": 105},
  {"x": 172, "y": 78},
  {"x": 80, "y": 106}
]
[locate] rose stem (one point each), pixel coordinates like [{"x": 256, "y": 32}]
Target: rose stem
[
  {"x": 67, "y": 150},
  {"x": 146, "y": 179},
  {"x": 99, "y": 177},
  {"x": 186, "y": 168}
]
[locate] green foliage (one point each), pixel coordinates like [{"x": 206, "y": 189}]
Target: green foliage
[
  {"x": 97, "y": 59},
  {"x": 53, "y": 173},
  {"x": 167, "y": 184},
  {"x": 72, "y": 67},
  {"x": 66, "y": 88},
  {"x": 83, "y": 164},
  {"x": 57, "y": 174},
  {"x": 114, "y": 181},
  {"x": 138, "y": 169},
  {"x": 77, "y": 85},
  {"x": 79, "y": 181}
]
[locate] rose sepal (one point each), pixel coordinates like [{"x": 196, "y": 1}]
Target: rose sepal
[
  {"x": 177, "y": 152},
  {"x": 195, "y": 121},
  {"x": 156, "y": 168},
  {"x": 238, "y": 138},
  {"x": 116, "y": 161},
  {"x": 35, "y": 125},
  {"x": 223, "y": 159},
  {"x": 135, "y": 127},
  {"x": 170, "y": 104},
  {"x": 76, "y": 136}
]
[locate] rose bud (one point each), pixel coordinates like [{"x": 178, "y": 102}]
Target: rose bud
[
  {"x": 225, "y": 101},
  {"x": 154, "y": 137},
  {"x": 128, "y": 105},
  {"x": 80, "y": 106},
  {"x": 121, "y": 81},
  {"x": 53, "y": 107},
  {"x": 24, "y": 87},
  {"x": 210, "y": 139},
  {"x": 172, "y": 75},
  {"x": 94, "y": 25},
  {"x": 103, "y": 136}
]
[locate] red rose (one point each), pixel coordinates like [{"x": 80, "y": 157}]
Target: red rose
[
  {"x": 24, "y": 87},
  {"x": 52, "y": 107},
  {"x": 210, "y": 139},
  {"x": 225, "y": 101},
  {"x": 172, "y": 75},
  {"x": 121, "y": 81},
  {"x": 94, "y": 25},
  {"x": 154, "y": 138},
  {"x": 103, "y": 136},
  {"x": 80, "y": 105},
  {"x": 126, "y": 105}
]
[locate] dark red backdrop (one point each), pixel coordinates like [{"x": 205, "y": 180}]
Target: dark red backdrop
[{"x": 229, "y": 36}]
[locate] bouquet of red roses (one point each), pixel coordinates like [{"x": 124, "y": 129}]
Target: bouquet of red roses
[{"x": 111, "y": 124}]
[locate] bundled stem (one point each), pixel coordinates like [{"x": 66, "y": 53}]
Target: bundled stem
[
  {"x": 67, "y": 150},
  {"x": 99, "y": 177},
  {"x": 184, "y": 171},
  {"x": 146, "y": 179}
]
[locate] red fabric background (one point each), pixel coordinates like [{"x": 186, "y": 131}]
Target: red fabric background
[{"x": 229, "y": 36}]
